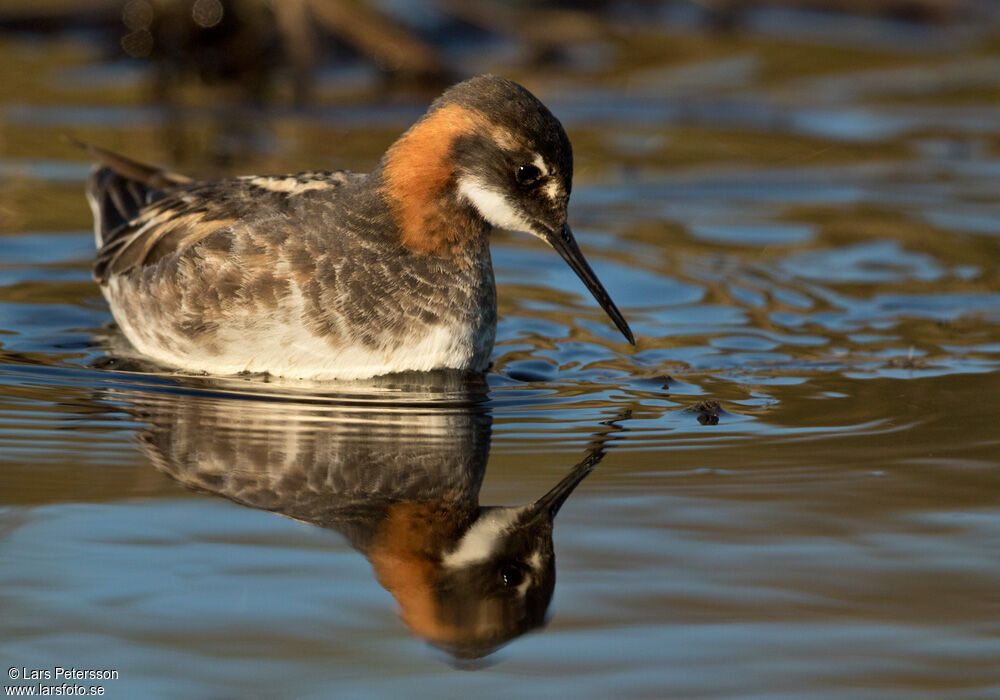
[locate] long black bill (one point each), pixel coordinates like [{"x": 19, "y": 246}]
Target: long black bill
[
  {"x": 549, "y": 504},
  {"x": 564, "y": 243}
]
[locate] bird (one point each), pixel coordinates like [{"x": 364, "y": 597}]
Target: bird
[
  {"x": 401, "y": 486},
  {"x": 335, "y": 275}
]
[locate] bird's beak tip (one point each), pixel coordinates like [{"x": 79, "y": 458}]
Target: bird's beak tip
[{"x": 564, "y": 243}]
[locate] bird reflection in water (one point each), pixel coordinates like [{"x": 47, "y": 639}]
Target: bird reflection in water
[{"x": 396, "y": 468}]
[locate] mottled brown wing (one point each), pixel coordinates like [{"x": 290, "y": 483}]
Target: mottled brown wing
[
  {"x": 169, "y": 224},
  {"x": 143, "y": 213},
  {"x": 138, "y": 215}
]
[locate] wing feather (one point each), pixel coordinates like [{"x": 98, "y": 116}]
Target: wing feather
[{"x": 143, "y": 213}]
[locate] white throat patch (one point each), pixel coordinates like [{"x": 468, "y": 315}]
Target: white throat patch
[
  {"x": 492, "y": 205},
  {"x": 478, "y": 544}
]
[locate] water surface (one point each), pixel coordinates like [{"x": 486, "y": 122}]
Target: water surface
[{"x": 798, "y": 494}]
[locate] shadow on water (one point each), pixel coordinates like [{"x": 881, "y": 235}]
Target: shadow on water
[{"x": 395, "y": 466}]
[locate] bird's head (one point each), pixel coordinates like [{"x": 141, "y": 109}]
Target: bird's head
[
  {"x": 469, "y": 581},
  {"x": 487, "y": 154}
]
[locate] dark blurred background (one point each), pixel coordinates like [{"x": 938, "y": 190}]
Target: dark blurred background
[
  {"x": 236, "y": 61},
  {"x": 646, "y": 89}
]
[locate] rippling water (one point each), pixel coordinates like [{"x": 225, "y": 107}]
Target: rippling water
[{"x": 797, "y": 467}]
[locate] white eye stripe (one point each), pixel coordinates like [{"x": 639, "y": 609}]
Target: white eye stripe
[
  {"x": 539, "y": 163},
  {"x": 535, "y": 560},
  {"x": 552, "y": 190}
]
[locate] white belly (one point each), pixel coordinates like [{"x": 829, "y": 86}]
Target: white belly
[{"x": 280, "y": 345}]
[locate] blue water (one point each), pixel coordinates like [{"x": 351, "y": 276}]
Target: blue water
[{"x": 797, "y": 495}]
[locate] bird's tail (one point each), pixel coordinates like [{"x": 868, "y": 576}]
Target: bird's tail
[{"x": 120, "y": 187}]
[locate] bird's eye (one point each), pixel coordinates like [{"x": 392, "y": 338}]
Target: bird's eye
[
  {"x": 511, "y": 576},
  {"x": 527, "y": 174}
]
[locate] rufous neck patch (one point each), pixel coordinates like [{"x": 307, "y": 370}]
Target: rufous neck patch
[
  {"x": 405, "y": 557},
  {"x": 416, "y": 173}
]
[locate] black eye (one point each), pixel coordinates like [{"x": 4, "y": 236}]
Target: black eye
[
  {"x": 511, "y": 576},
  {"x": 527, "y": 174}
]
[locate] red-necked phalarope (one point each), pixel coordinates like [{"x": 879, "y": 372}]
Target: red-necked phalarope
[{"x": 339, "y": 275}]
